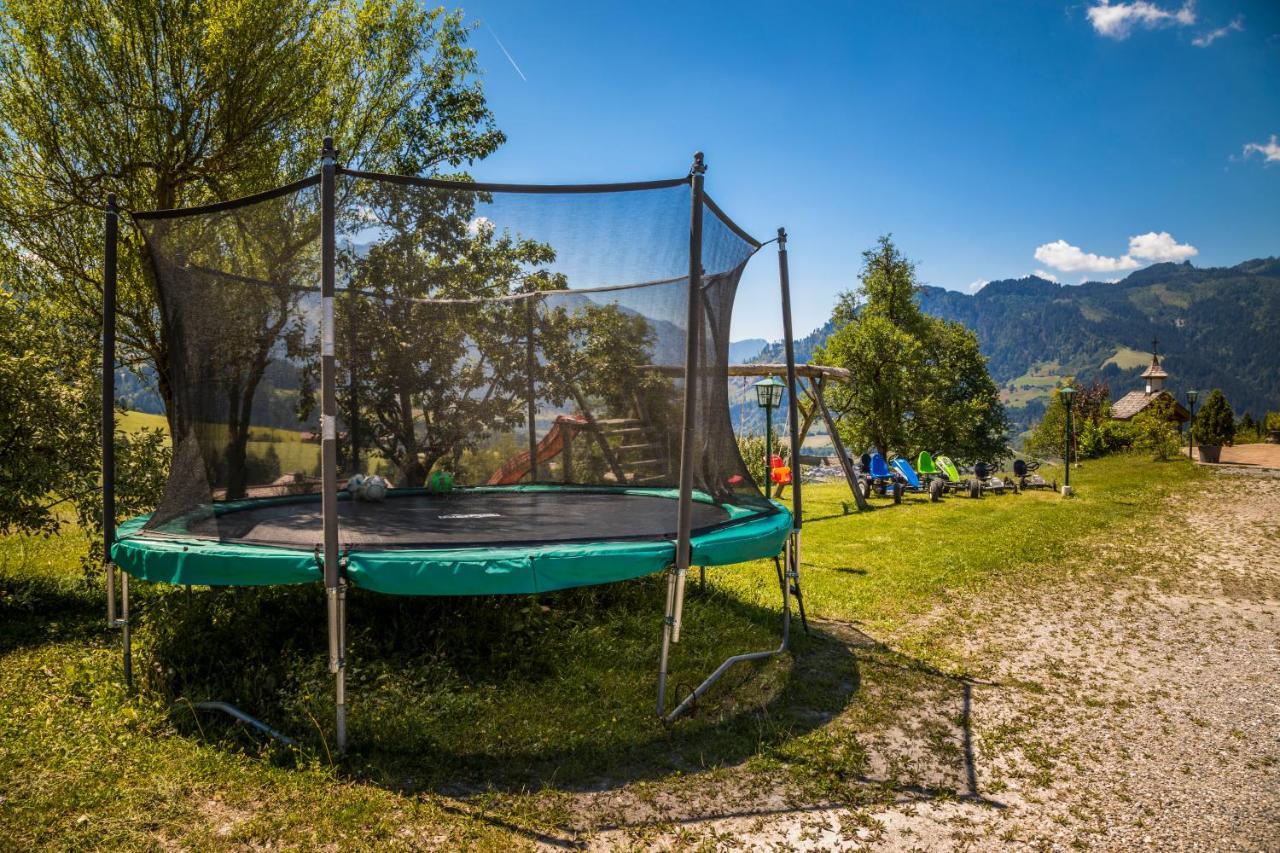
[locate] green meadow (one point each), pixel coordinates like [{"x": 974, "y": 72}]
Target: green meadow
[{"x": 476, "y": 722}]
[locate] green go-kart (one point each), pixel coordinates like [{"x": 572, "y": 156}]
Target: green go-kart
[{"x": 943, "y": 469}]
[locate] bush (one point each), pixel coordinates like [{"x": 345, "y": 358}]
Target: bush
[
  {"x": 751, "y": 447},
  {"x": 1272, "y": 421},
  {"x": 142, "y": 472},
  {"x": 1106, "y": 436},
  {"x": 1216, "y": 423},
  {"x": 1154, "y": 432}
]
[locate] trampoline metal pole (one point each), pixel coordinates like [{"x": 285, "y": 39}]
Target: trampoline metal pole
[
  {"x": 693, "y": 344},
  {"x": 108, "y": 401},
  {"x": 329, "y": 433},
  {"x": 684, "y": 516},
  {"x": 530, "y": 363},
  {"x": 126, "y": 630},
  {"x": 793, "y": 416},
  {"x": 793, "y": 403}
]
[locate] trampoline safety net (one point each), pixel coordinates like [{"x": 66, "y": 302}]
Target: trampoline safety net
[{"x": 508, "y": 336}]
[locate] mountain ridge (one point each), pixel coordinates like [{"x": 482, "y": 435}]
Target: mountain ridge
[{"x": 1215, "y": 327}]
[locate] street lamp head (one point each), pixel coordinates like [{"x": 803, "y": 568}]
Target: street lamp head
[
  {"x": 1067, "y": 393},
  {"x": 769, "y": 393},
  {"x": 1192, "y": 394}
]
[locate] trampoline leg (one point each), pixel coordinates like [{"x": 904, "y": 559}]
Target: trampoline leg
[
  {"x": 794, "y": 575},
  {"x": 111, "y": 594},
  {"x": 668, "y": 622},
  {"x": 701, "y": 689},
  {"x": 682, "y": 579},
  {"x": 337, "y": 660},
  {"x": 702, "y": 578},
  {"x": 126, "y": 635}
]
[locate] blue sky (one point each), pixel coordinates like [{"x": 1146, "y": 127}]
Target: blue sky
[{"x": 992, "y": 139}]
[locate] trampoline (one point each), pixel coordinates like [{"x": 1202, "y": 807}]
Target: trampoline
[
  {"x": 482, "y": 541},
  {"x": 560, "y": 353}
]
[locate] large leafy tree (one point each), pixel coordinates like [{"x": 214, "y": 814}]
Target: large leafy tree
[
  {"x": 171, "y": 103},
  {"x": 917, "y": 382},
  {"x": 435, "y": 355}
]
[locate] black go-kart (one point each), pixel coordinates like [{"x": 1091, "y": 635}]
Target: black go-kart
[
  {"x": 987, "y": 476},
  {"x": 1027, "y": 478}
]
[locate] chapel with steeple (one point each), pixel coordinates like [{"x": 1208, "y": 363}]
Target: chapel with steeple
[{"x": 1153, "y": 377}]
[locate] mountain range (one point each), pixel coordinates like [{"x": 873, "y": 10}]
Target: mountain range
[{"x": 1216, "y": 327}]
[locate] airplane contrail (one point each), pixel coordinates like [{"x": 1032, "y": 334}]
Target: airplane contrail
[{"x": 506, "y": 53}]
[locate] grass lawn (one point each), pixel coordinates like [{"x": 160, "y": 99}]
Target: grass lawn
[{"x": 476, "y": 722}]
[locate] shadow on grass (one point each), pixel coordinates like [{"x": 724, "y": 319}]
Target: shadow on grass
[
  {"x": 36, "y": 609},
  {"x": 465, "y": 700}
]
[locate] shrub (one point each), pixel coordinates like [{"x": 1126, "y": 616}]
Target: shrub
[
  {"x": 1216, "y": 423},
  {"x": 1154, "y": 432},
  {"x": 1272, "y": 421},
  {"x": 751, "y": 446},
  {"x": 1106, "y": 436}
]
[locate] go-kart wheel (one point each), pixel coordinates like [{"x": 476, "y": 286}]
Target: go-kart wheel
[
  {"x": 975, "y": 489},
  {"x": 897, "y": 493},
  {"x": 935, "y": 490}
]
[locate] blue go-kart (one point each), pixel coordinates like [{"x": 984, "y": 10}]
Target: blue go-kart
[
  {"x": 911, "y": 480},
  {"x": 878, "y": 479}
]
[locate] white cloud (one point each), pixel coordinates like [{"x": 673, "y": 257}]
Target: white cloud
[
  {"x": 975, "y": 286},
  {"x": 1161, "y": 247},
  {"x": 1047, "y": 276},
  {"x": 480, "y": 223},
  {"x": 1270, "y": 151},
  {"x": 1117, "y": 20},
  {"x": 1063, "y": 256},
  {"x": 1213, "y": 35},
  {"x": 1144, "y": 249}
]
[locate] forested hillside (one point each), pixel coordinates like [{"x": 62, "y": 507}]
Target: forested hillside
[{"x": 1217, "y": 328}]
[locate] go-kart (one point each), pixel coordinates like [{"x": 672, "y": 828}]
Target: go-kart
[
  {"x": 987, "y": 476},
  {"x": 954, "y": 482},
  {"x": 879, "y": 480},
  {"x": 911, "y": 480},
  {"x": 1028, "y": 478}
]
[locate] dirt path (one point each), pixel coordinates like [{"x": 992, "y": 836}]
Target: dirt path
[{"x": 1132, "y": 702}]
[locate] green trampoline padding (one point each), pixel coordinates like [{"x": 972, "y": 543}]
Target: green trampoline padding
[{"x": 482, "y": 541}]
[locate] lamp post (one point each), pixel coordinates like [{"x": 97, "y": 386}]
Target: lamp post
[
  {"x": 1067, "y": 393},
  {"x": 1192, "y": 394},
  {"x": 768, "y": 397}
]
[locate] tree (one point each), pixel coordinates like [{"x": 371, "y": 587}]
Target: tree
[
  {"x": 1049, "y": 437},
  {"x": 438, "y": 354},
  {"x": 1216, "y": 423},
  {"x": 916, "y": 381},
  {"x": 168, "y": 103},
  {"x": 171, "y": 104},
  {"x": 46, "y": 422},
  {"x": 49, "y": 409}
]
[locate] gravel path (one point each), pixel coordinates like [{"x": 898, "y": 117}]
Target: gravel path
[{"x": 1130, "y": 703}]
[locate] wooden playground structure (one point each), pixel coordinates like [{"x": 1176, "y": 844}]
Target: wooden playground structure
[{"x": 811, "y": 380}]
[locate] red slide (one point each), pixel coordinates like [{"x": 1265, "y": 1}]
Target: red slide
[{"x": 517, "y": 467}]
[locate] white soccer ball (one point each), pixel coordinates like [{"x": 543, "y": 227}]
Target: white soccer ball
[{"x": 374, "y": 489}]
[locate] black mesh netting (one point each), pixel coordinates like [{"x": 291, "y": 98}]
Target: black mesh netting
[{"x": 463, "y": 318}]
